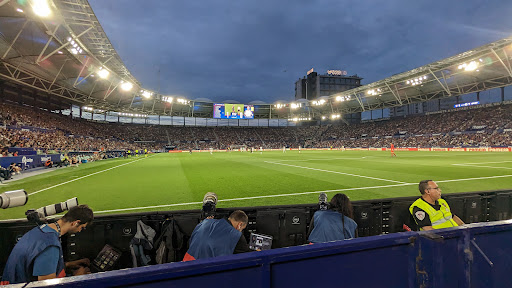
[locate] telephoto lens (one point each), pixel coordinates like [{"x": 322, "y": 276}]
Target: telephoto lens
[
  {"x": 322, "y": 201},
  {"x": 209, "y": 204},
  {"x": 57, "y": 208},
  {"x": 13, "y": 198}
]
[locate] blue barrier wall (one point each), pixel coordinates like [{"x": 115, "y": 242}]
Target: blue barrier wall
[
  {"x": 28, "y": 161},
  {"x": 475, "y": 255}
]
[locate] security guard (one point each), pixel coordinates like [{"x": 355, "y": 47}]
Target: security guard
[{"x": 430, "y": 211}]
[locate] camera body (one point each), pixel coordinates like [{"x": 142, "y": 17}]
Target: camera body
[
  {"x": 323, "y": 203},
  {"x": 209, "y": 205}
]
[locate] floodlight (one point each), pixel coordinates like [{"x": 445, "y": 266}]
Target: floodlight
[
  {"x": 146, "y": 94},
  {"x": 126, "y": 86},
  {"x": 74, "y": 51},
  {"x": 69, "y": 39},
  {"x": 41, "y": 8},
  {"x": 60, "y": 52},
  {"x": 19, "y": 10},
  {"x": 323, "y": 117},
  {"x": 471, "y": 66},
  {"x": 167, "y": 99},
  {"x": 103, "y": 73}
]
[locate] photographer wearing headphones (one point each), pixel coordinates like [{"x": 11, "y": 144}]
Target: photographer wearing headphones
[{"x": 38, "y": 254}]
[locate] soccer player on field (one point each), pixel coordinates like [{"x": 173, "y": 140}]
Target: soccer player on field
[{"x": 393, "y": 150}]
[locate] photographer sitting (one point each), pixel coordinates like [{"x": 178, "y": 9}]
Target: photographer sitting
[
  {"x": 218, "y": 237},
  {"x": 332, "y": 223},
  {"x": 38, "y": 254},
  {"x": 5, "y": 173}
]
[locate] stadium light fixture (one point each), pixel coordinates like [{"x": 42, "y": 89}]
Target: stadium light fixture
[
  {"x": 103, "y": 73},
  {"x": 323, "y": 117},
  {"x": 167, "y": 99},
  {"x": 374, "y": 92},
  {"x": 19, "y": 10},
  {"x": 416, "y": 81},
  {"x": 41, "y": 8},
  {"x": 182, "y": 101},
  {"x": 126, "y": 86},
  {"x": 335, "y": 116},
  {"x": 279, "y": 106},
  {"x": 295, "y": 105},
  {"x": 342, "y": 98},
  {"x": 319, "y": 102},
  {"x": 146, "y": 94}
]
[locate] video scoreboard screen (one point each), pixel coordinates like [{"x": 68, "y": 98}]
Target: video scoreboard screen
[{"x": 233, "y": 111}]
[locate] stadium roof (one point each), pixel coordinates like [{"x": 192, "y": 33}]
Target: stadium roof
[{"x": 61, "y": 55}]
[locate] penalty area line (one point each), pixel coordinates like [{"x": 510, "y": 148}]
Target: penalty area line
[{"x": 63, "y": 183}]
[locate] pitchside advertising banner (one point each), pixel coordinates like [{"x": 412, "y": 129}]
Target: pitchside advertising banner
[{"x": 30, "y": 161}]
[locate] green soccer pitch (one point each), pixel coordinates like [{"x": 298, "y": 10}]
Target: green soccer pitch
[{"x": 178, "y": 181}]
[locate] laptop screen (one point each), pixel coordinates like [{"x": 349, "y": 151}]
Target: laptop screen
[{"x": 260, "y": 241}]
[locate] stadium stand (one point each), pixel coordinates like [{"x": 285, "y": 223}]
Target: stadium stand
[{"x": 30, "y": 127}]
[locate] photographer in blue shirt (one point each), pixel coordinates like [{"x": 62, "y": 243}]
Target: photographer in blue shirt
[
  {"x": 38, "y": 254},
  {"x": 334, "y": 221}
]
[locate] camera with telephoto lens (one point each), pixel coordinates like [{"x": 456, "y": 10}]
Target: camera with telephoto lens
[
  {"x": 13, "y": 198},
  {"x": 323, "y": 204},
  {"x": 209, "y": 204},
  {"x": 40, "y": 214}
]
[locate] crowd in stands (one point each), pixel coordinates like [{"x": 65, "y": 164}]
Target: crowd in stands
[{"x": 50, "y": 132}]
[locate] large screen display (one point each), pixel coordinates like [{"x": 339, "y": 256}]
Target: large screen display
[{"x": 233, "y": 111}]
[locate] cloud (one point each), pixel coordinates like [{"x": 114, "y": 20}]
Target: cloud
[{"x": 256, "y": 50}]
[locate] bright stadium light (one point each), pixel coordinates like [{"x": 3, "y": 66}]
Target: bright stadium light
[
  {"x": 103, "y": 73},
  {"x": 182, "y": 101},
  {"x": 416, "y": 81},
  {"x": 335, "y": 116},
  {"x": 41, "y": 8},
  {"x": 319, "y": 102},
  {"x": 471, "y": 66},
  {"x": 342, "y": 98},
  {"x": 19, "y": 10},
  {"x": 374, "y": 92},
  {"x": 126, "y": 86},
  {"x": 167, "y": 99},
  {"x": 146, "y": 94},
  {"x": 295, "y": 105},
  {"x": 74, "y": 51}
]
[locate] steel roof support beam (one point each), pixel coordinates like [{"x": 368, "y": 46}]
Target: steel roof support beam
[
  {"x": 56, "y": 50},
  {"x": 110, "y": 92},
  {"x": 509, "y": 71},
  {"x": 15, "y": 39},
  {"x": 397, "y": 97},
  {"x": 439, "y": 81},
  {"x": 81, "y": 70},
  {"x": 47, "y": 43}
]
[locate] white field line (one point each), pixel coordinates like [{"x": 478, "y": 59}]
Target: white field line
[
  {"x": 323, "y": 159},
  {"x": 497, "y": 162},
  {"x": 76, "y": 179},
  {"x": 254, "y": 197},
  {"x": 483, "y": 166},
  {"x": 322, "y": 170},
  {"x": 280, "y": 195}
]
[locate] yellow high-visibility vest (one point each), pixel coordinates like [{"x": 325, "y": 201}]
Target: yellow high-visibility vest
[{"x": 441, "y": 218}]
